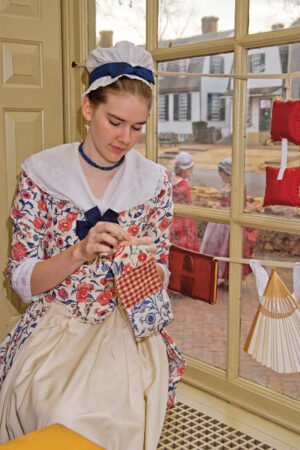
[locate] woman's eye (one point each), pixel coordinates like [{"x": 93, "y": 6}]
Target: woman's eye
[
  {"x": 137, "y": 128},
  {"x": 115, "y": 124}
]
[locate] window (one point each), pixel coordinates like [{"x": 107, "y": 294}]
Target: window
[
  {"x": 218, "y": 129},
  {"x": 182, "y": 107},
  {"x": 265, "y": 108},
  {"x": 183, "y": 65},
  {"x": 256, "y": 62},
  {"x": 215, "y": 107},
  {"x": 163, "y": 108},
  {"x": 216, "y": 64}
]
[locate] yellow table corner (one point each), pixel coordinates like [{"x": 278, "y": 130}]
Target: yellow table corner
[{"x": 53, "y": 437}]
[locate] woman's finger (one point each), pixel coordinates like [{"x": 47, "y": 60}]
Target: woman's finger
[
  {"x": 146, "y": 240},
  {"x": 105, "y": 238},
  {"x": 113, "y": 229},
  {"x": 152, "y": 248}
]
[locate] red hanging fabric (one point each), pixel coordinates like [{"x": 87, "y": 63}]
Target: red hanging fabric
[
  {"x": 193, "y": 274},
  {"x": 286, "y": 121},
  {"x": 285, "y": 191}
]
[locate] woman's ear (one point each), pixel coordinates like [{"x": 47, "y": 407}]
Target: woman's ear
[{"x": 87, "y": 109}]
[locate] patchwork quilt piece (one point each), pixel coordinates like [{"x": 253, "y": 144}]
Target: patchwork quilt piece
[{"x": 141, "y": 291}]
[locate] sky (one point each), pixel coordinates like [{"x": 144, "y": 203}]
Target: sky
[{"x": 183, "y": 18}]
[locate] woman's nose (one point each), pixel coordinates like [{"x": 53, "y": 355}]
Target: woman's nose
[{"x": 124, "y": 135}]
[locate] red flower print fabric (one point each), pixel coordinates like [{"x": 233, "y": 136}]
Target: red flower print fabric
[{"x": 43, "y": 226}]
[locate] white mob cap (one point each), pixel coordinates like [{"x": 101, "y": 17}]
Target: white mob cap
[
  {"x": 122, "y": 52},
  {"x": 226, "y": 165},
  {"x": 184, "y": 160}
]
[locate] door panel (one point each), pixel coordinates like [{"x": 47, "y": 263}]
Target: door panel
[{"x": 31, "y": 108}]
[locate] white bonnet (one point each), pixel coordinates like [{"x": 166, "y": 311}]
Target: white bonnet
[
  {"x": 184, "y": 160},
  {"x": 226, "y": 165},
  {"x": 122, "y": 52}
]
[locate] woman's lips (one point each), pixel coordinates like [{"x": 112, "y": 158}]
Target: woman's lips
[{"x": 118, "y": 149}]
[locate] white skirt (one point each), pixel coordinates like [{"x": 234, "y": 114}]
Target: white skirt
[{"x": 92, "y": 378}]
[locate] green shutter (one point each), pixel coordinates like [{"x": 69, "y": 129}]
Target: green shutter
[
  {"x": 209, "y": 100},
  {"x": 167, "y": 107},
  {"x": 176, "y": 107},
  {"x": 189, "y": 107}
]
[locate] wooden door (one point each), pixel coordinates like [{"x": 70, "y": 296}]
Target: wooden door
[{"x": 31, "y": 109}]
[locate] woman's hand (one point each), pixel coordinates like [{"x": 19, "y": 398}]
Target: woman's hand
[
  {"x": 146, "y": 240},
  {"x": 104, "y": 237}
]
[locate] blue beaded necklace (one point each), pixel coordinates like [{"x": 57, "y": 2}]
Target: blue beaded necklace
[{"x": 91, "y": 163}]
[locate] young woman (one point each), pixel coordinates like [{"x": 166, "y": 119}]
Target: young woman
[
  {"x": 216, "y": 237},
  {"x": 183, "y": 230},
  {"x": 72, "y": 357}
]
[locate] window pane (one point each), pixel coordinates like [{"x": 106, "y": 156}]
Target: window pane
[
  {"x": 266, "y": 15},
  {"x": 124, "y": 21},
  {"x": 183, "y": 23},
  {"x": 199, "y": 121},
  {"x": 271, "y": 245},
  {"x": 195, "y": 319},
  {"x": 260, "y": 150}
]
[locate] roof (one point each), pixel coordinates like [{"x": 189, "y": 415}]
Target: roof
[
  {"x": 258, "y": 91},
  {"x": 195, "y": 39},
  {"x": 181, "y": 83},
  {"x": 194, "y": 65}
]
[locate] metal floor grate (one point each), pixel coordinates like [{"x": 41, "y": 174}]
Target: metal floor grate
[{"x": 187, "y": 428}]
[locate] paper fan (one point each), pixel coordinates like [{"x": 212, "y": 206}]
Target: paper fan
[{"x": 274, "y": 338}]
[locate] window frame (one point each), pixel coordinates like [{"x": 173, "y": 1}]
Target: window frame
[
  {"x": 225, "y": 384},
  {"x": 228, "y": 384}
]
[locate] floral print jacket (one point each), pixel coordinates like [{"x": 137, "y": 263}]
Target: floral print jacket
[{"x": 43, "y": 226}]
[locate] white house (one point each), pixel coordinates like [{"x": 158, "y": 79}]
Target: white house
[{"x": 185, "y": 100}]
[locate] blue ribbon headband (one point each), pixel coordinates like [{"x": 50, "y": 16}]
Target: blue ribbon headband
[{"x": 121, "y": 68}]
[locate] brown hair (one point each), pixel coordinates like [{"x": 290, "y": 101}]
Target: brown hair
[{"x": 123, "y": 84}]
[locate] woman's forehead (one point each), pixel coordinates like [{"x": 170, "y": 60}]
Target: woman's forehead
[{"x": 126, "y": 106}]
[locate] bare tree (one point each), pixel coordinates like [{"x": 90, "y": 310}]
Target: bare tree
[
  {"x": 176, "y": 19},
  {"x": 291, "y": 9},
  {"x": 107, "y": 9}
]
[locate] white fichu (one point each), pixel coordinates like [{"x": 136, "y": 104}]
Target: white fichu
[{"x": 274, "y": 338}]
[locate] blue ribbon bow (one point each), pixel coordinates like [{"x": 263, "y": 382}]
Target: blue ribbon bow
[
  {"x": 92, "y": 216},
  {"x": 121, "y": 68}
]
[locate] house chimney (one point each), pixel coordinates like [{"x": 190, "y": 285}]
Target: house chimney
[
  {"x": 209, "y": 24},
  {"x": 277, "y": 26},
  {"x": 106, "y": 38}
]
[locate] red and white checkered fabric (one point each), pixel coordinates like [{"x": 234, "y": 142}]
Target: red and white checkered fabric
[{"x": 138, "y": 284}]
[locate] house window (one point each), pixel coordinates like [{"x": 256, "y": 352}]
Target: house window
[
  {"x": 183, "y": 63},
  {"x": 256, "y": 63},
  {"x": 215, "y": 107},
  {"x": 182, "y": 107},
  {"x": 216, "y": 64},
  {"x": 265, "y": 111},
  {"x": 163, "y": 108}
]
